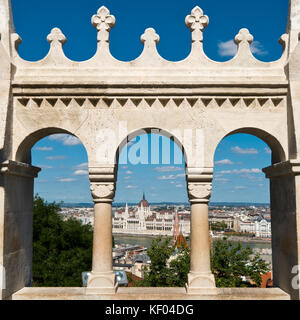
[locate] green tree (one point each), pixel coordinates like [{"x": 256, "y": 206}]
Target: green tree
[
  {"x": 179, "y": 268},
  {"x": 169, "y": 265},
  {"x": 232, "y": 261},
  {"x": 62, "y": 250},
  {"x": 158, "y": 273}
]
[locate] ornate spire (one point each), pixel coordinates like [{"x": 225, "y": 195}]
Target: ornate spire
[
  {"x": 244, "y": 39},
  {"x": 197, "y": 22},
  {"x": 150, "y": 39},
  {"x": 103, "y": 21},
  {"x": 56, "y": 39}
]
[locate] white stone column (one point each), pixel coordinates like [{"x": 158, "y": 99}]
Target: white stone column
[
  {"x": 16, "y": 206},
  {"x": 102, "y": 278},
  {"x": 285, "y": 223},
  {"x": 200, "y": 278}
]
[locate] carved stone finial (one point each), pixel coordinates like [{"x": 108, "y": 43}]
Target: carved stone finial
[
  {"x": 103, "y": 192},
  {"x": 244, "y": 37},
  {"x": 56, "y": 37},
  {"x": 150, "y": 36},
  {"x": 199, "y": 192},
  {"x": 197, "y": 22},
  {"x": 103, "y": 21}
]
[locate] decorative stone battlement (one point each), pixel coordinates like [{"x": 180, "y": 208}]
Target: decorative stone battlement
[{"x": 149, "y": 67}]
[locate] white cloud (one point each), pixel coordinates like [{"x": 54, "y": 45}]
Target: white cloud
[
  {"x": 66, "y": 139},
  {"x": 44, "y": 166},
  {"x": 83, "y": 165},
  {"x": 129, "y": 172},
  {"x": 257, "y": 48},
  {"x": 171, "y": 177},
  {"x": 168, "y": 169},
  {"x": 131, "y": 187},
  {"x": 179, "y": 186},
  {"x": 81, "y": 173},
  {"x": 44, "y": 148},
  {"x": 255, "y": 170},
  {"x": 64, "y": 180},
  {"x": 224, "y": 162},
  {"x": 240, "y": 188},
  {"x": 56, "y": 158},
  {"x": 229, "y": 48},
  {"x": 244, "y": 151},
  {"x": 223, "y": 180}
]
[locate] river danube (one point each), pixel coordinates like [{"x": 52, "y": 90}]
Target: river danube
[{"x": 147, "y": 241}]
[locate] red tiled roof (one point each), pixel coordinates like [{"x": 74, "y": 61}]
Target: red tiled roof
[
  {"x": 267, "y": 280},
  {"x": 134, "y": 278}
]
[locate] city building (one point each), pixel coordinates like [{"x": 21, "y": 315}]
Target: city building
[{"x": 142, "y": 220}]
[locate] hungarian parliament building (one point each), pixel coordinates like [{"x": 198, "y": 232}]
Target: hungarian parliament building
[{"x": 141, "y": 220}]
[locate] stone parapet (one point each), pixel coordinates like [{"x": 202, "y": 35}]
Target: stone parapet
[{"x": 152, "y": 294}]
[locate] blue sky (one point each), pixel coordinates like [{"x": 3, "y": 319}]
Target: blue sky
[{"x": 238, "y": 158}]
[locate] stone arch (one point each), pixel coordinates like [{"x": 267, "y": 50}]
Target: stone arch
[
  {"x": 19, "y": 203},
  {"x": 278, "y": 152},
  {"x": 279, "y": 155},
  {"x": 153, "y": 130},
  {"x": 23, "y": 151}
]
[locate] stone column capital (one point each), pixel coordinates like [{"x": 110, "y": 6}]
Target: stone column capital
[
  {"x": 199, "y": 183},
  {"x": 103, "y": 184},
  {"x": 287, "y": 168},
  {"x": 103, "y": 192},
  {"x": 199, "y": 192},
  {"x": 14, "y": 168}
]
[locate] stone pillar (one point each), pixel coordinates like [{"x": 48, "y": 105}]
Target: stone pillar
[
  {"x": 200, "y": 278},
  {"x": 102, "y": 278},
  {"x": 16, "y": 206},
  {"x": 285, "y": 216}
]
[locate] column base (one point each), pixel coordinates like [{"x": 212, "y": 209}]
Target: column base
[
  {"x": 200, "y": 283},
  {"x": 102, "y": 283}
]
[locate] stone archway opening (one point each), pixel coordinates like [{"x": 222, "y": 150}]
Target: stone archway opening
[
  {"x": 240, "y": 208},
  {"x": 151, "y": 201},
  {"x": 55, "y": 236}
]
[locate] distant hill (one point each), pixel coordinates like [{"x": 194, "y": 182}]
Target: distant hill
[{"x": 213, "y": 204}]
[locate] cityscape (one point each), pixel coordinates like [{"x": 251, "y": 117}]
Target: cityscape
[{"x": 136, "y": 225}]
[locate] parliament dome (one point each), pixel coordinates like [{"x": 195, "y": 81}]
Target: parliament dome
[{"x": 144, "y": 202}]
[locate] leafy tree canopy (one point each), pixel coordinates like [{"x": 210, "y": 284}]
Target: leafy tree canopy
[
  {"x": 62, "y": 250},
  {"x": 231, "y": 263}
]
